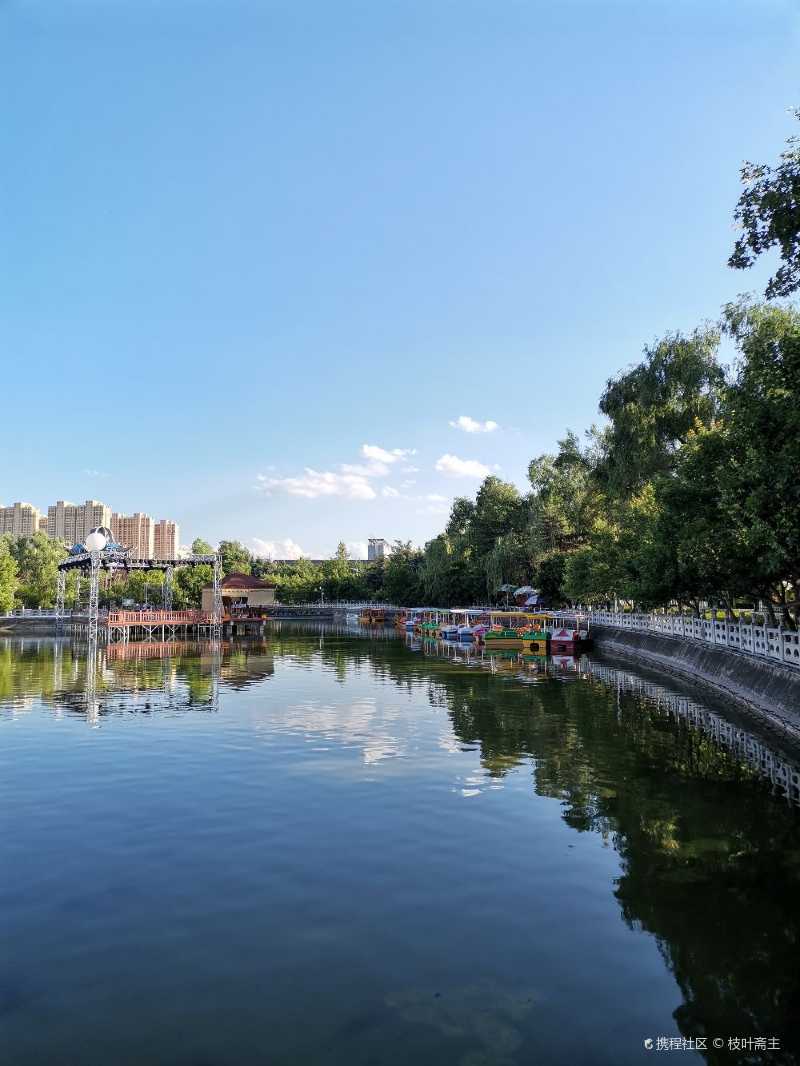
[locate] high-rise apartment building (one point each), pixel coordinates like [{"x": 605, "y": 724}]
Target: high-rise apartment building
[
  {"x": 377, "y": 548},
  {"x": 165, "y": 539},
  {"x": 20, "y": 519},
  {"x": 62, "y": 518},
  {"x": 73, "y": 521},
  {"x": 134, "y": 531}
]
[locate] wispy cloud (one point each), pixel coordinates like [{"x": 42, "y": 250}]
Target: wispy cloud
[
  {"x": 351, "y": 481},
  {"x": 277, "y": 549},
  {"x": 455, "y": 467},
  {"x": 96, "y": 473},
  {"x": 435, "y": 504},
  {"x": 312, "y": 484},
  {"x": 356, "y": 549},
  {"x": 381, "y": 455},
  {"x": 472, "y": 425},
  {"x": 389, "y": 492}
]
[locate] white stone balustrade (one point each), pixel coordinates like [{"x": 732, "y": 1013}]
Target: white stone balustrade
[{"x": 765, "y": 642}]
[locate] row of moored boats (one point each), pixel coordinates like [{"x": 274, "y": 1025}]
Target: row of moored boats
[{"x": 542, "y": 633}]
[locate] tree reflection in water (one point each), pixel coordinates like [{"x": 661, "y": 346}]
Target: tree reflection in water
[{"x": 694, "y": 805}]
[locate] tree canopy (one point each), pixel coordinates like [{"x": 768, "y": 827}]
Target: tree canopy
[{"x": 768, "y": 212}]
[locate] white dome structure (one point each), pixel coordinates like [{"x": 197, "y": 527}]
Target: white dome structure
[{"x": 97, "y": 539}]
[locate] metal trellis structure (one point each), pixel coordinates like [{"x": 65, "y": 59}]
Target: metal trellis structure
[{"x": 61, "y": 584}]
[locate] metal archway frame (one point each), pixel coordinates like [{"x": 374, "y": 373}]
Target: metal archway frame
[{"x": 111, "y": 560}]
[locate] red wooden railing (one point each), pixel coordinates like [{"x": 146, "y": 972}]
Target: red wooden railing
[{"x": 158, "y": 618}]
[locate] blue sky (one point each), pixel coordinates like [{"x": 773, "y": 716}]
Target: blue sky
[{"x": 256, "y": 259}]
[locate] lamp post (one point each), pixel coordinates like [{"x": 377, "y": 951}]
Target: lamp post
[{"x": 95, "y": 543}]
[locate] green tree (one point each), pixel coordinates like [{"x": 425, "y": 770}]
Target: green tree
[
  {"x": 201, "y": 547},
  {"x": 402, "y": 574},
  {"x": 234, "y": 557},
  {"x": 768, "y": 212},
  {"x": 188, "y": 584},
  {"x": 652, "y": 408},
  {"x": 37, "y": 560},
  {"x": 297, "y": 582},
  {"x": 760, "y": 480},
  {"x": 343, "y": 578},
  {"x": 8, "y": 577}
]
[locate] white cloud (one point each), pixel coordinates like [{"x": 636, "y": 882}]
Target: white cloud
[
  {"x": 96, "y": 473},
  {"x": 381, "y": 455},
  {"x": 435, "y": 504},
  {"x": 356, "y": 549},
  {"x": 407, "y": 483},
  {"x": 389, "y": 492},
  {"x": 455, "y": 467},
  {"x": 277, "y": 549},
  {"x": 471, "y": 425},
  {"x": 351, "y": 481},
  {"x": 410, "y": 470},
  {"x": 371, "y": 469},
  {"x": 314, "y": 483}
]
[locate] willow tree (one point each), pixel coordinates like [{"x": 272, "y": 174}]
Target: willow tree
[{"x": 653, "y": 406}]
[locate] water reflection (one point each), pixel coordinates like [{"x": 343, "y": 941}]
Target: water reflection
[
  {"x": 134, "y": 678},
  {"x": 364, "y": 797}
]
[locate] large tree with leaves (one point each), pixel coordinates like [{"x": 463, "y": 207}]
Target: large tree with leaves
[
  {"x": 234, "y": 557},
  {"x": 768, "y": 212},
  {"x": 37, "y": 560},
  {"x": 653, "y": 406},
  {"x": 760, "y": 481},
  {"x": 8, "y": 577}
]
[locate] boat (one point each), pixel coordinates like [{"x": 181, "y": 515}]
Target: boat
[
  {"x": 474, "y": 625},
  {"x": 411, "y": 619},
  {"x": 448, "y": 627},
  {"x": 506, "y": 630},
  {"x": 536, "y": 636},
  {"x": 429, "y": 623},
  {"x": 372, "y": 616},
  {"x": 569, "y": 639}
]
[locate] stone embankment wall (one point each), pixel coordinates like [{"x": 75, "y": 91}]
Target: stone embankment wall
[
  {"x": 27, "y": 627},
  {"x": 768, "y": 690}
]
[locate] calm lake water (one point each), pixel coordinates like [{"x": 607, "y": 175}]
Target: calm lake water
[{"x": 336, "y": 848}]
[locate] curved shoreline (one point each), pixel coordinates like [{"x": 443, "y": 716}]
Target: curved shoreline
[{"x": 768, "y": 692}]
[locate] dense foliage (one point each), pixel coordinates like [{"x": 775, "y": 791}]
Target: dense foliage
[
  {"x": 689, "y": 493},
  {"x": 768, "y": 213}
]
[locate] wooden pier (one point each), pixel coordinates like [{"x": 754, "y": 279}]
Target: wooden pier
[{"x": 122, "y": 627}]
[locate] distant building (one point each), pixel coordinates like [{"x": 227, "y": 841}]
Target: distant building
[
  {"x": 134, "y": 531},
  {"x": 240, "y": 591},
  {"x": 165, "y": 539},
  {"x": 20, "y": 519},
  {"x": 62, "y": 520},
  {"x": 73, "y": 521},
  {"x": 377, "y": 548}
]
